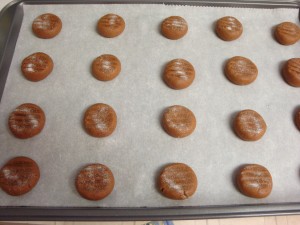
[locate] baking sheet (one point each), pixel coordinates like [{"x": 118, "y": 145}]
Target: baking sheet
[{"x": 139, "y": 147}]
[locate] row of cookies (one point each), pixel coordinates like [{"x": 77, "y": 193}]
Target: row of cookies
[
  {"x": 100, "y": 120},
  {"x": 178, "y": 73},
  {"x": 174, "y": 27},
  {"x": 96, "y": 181}
]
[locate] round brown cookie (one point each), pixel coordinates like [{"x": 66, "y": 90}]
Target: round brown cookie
[
  {"x": 240, "y": 70},
  {"x": 37, "y": 66},
  {"x": 249, "y": 125},
  {"x": 254, "y": 181},
  {"x": 111, "y": 25},
  {"x": 291, "y": 72},
  {"x": 100, "y": 120},
  {"x": 46, "y": 26},
  {"x": 19, "y": 176},
  {"x": 95, "y": 182},
  {"x": 287, "y": 33},
  {"x": 297, "y": 119},
  {"x": 106, "y": 67},
  {"x": 178, "y": 121},
  {"x": 26, "y": 121},
  {"x": 174, "y": 27},
  {"x": 229, "y": 28},
  {"x": 179, "y": 74},
  {"x": 177, "y": 181}
]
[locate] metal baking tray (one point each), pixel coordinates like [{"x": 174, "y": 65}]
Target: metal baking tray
[{"x": 10, "y": 22}]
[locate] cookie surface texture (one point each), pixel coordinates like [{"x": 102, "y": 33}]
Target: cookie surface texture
[
  {"x": 106, "y": 67},
  {"x": 95, "y": 182},
  {"x": 229, "y": 28},
  {"x": 26, "y": 121},
  {"x": 254, "y": 181},
  {"x": 177, "y": 181},
  {"x": 37, "y": 66},
  {"x": 291, "y": 72},
  {"x": 100, "y": 120},
  {"x": 46, "y": 26},
  {"x": 249, "y": 125},
  {"x": 174, "y": 27},
  {"x": 287, "y": 33},
  {"x": 179, "y": 74},
  {"x": 19, "y": 176},
  {"x": 178, "y": 121},
  {"x": 111, "y": 25},
  {"x": 240, "y": 70}
]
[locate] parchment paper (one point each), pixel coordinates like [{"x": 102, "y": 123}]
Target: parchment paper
[{"x": 139, "y": 147}]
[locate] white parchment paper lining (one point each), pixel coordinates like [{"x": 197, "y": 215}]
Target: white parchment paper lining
[{"x": 139, "y": 147}]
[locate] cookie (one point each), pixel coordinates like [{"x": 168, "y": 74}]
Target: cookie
[
  {"x": 177, "y": 181},
  {"x": 297, "y": 119},
  {"x": 37, "y": 66},
  {"x": 287, "y": 33},
  {"x": 254, "y": 181},
  {"x": 100, "y": 120},
  {"x": 19, "y": 176},
  {"x": 174, "y": 27},
  {"x": 249, "y": 125},
  {"x": 240, "y": 70},
  {"x": 291, "y": 72},
  {"x": 111, "y": 25},
  {"x": 106, "y": 67},
  {"x": 46, "y": 26},
  {"x": 26, "y": 121},
  {"x": 178, "y": 121},
  {"x": 179, "y": 74},
  {"x": 228, "y": 28},
  {"x": 95, "y": 182}
]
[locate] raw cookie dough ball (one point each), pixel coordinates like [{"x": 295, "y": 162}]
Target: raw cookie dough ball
[
  {"x": 37, "y": 66},
  {"x": 100, "y": 120},
  {"x": 179, "y": 74},
  {"x": 95, "y": 182},
  {"x": 287, "y": 33},
  {"x": 249, "y": 125},
  {"x": 240, "y": 70},
  {"x": 229, "y": 28},
  {"x": 177, "y": 181},
  {"x": 19, "y": 176},
  {"x": 297, "y": 119},
  {"x": 254, "y": 181},
  {"x": 174, "y": 27},
  {"x": 291, "y": 72},
  {"x": 46, "y": 26},
  {"x": 178, "y": 121},
  {"x": 111, "y": 25},
  {"x": 26, "y": 121},
  {"x": 106, "y": 67}
]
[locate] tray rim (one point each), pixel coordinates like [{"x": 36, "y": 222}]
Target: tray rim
[
  {"x": 10, "y": 22},
  {"x": 227, "y": 3},
  {"x": 144, "y": 213}
]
